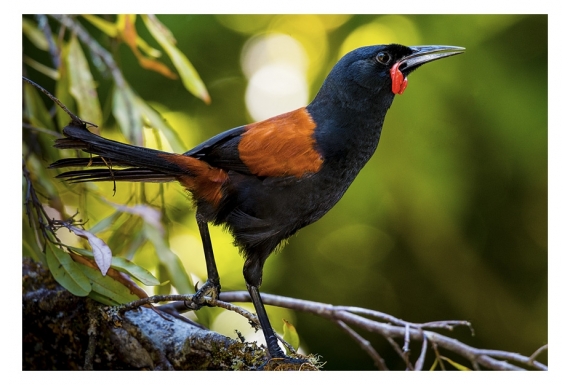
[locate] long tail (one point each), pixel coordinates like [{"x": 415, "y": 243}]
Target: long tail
[{"x": 115, "y": 161}]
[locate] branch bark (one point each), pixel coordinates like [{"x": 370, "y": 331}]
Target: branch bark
[{"x": 65, "y": 332}]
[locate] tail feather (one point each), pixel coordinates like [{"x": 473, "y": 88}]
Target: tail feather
[
  {"x": 142, "y": 164},
  {"x": 82, "y": 162},
  {"x": 102, "y": 175}
]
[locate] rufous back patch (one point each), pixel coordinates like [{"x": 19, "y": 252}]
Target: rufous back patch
[
  {"x": 202, "y": 180},
  {"x": 281, "y": 146}
]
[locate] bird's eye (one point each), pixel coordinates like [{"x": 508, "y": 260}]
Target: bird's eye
[{"x": 383, "y": 58}]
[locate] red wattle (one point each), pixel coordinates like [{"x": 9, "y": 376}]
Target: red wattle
[{"x": 399, "y": 82}]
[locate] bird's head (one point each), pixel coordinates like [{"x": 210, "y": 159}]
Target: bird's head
[{"x": 381, "y": 70}]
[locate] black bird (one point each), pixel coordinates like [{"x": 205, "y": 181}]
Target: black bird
[{"x": 264, "y": 181}]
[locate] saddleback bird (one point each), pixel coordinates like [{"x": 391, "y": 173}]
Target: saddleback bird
[{"x": 264, "y": 181}]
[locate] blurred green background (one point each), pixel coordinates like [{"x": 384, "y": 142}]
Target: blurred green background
[{"x": 447, "y": 221}]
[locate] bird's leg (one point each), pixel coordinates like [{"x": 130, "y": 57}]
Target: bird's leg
[
  {"x": 275, "y": 352},
  {"x": 270, "y": 337},
  {"x": 212, "y": 286}
]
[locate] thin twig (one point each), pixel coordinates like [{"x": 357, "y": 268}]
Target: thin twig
[
  {"x": 365, "y": 345},
  {"x": 73, "y": 117},
  {"x": 406, "y": 348},
  {"x": 398, "y": 350},
  {"x": 533, "y": 356},
  {"x": 420, "y": 362},
  {"x": 52, "y": 47}
]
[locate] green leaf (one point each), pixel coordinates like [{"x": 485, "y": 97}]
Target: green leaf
[
  {"x": 127, "y": 114},
  {"x": 107, "y": 27},
  {"x": 134, "y": 271},
  {"x": 107, "y": 286},
  {"x": 33, "y": 33},
  {"x": 35, "y": 110},
  {"x": 131, "y": 111},
  {"x": 42, "y": 175},
  {"x": 62, "y": 90},
  {"x": 290, "y": 334},
  {"x": 125, "y": 266},
  {"x": 157, "y": 121},
  {"x": 82, "y": 85},
  {"x": 31, "y": 250},
  {"x": 37, "y": 114},
  {"x": 42, "y": 68},
  {"x": 112, "y": 30},
  {"x": 102, "y": 299},
  {"x": 66, "y": 272},
  {"x": 456, "y": 365},
  {"x": 186, "y": 70},
  {"x": 105, "y": 223},
  {"x": 163, "y": 276},
  {"x": 172, "y": 263}
]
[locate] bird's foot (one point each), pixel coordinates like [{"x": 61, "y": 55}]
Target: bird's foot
[
  {"x": 209, "y": 290},
  {"x": 286, "y": 363}
]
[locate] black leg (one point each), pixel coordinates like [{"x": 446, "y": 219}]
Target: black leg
[
  {"x": 212, "y": 286},
  {"x": 270, "y": 337}
]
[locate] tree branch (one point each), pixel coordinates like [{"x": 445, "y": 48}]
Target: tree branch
[{"x": 491, "y": 359}]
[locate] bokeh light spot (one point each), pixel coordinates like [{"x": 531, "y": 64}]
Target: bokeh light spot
[
  {"x": 276, "y": 66},
  {"x": 272, "y": 48},
  {"x": 275, "y": 89}
]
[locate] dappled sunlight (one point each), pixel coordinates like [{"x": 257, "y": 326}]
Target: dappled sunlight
[{"x": 276, "y": 66}]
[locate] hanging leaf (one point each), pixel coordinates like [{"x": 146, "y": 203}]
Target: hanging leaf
[
  {"x": 163, "y": 276},
  {"x": 129, "y": 35},
  {"x": 290, "y": 334},
  {"x": 105, "y": 223},
  {"x": 125, "y": 266},
  {"x": 148, "y": 214},
  {"x": 85, "y": 257},
  {"x": 134, "y": 271},
  {"x": 171, "y": 262},
  {"x": 82, "y": 85},
  {"x": 33, "y": 33},
  {"x": 66, "y": 272},
  {"x": 38, "y": 115},
  {"x": 107, "y": 290},
  {"x": 154, "y": 232},
  {"x": 130, "y": 111},
  {"x": 186, "y": 70},
  {"x": 455, "y": 364},
  {"x": 107, "y": 27},
  {"x": 62, "y": 90},
  {"x": 113, "y": 30},
  {"x": 101, "y": 252},
  {"x": 155, "y": 120},
  {"x": 41, "y": 68},
  {"x": 127, "y": 114},
  {"x": 35, "y": 110}
]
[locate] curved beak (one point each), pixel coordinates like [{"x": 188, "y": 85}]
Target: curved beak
[{"x": 427, "y": 53}]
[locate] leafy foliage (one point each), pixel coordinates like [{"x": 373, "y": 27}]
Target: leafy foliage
[{"x": 449, "y": 218}]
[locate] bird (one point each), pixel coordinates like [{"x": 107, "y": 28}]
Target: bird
[{"x": 266, "y": 180}]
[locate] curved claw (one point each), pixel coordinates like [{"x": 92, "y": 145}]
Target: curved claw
[{"x": 209, "y": 289}]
